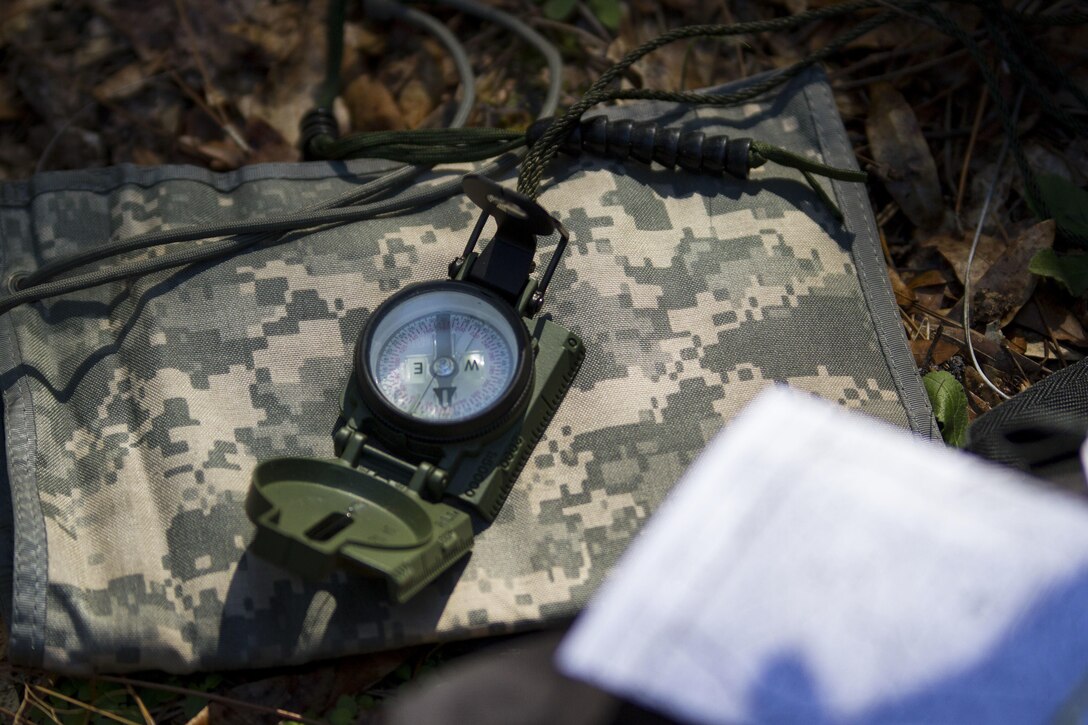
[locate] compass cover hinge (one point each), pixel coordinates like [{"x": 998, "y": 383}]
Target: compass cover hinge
[{"x": 426, "y": 479}]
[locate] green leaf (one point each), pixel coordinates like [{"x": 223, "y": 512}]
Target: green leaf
[
  {"x": 1069, "y": 269},
  {"x": 949, "y": 406},
  {"x": 607, "y": 11},
  {"x": 345, "y": 712},
  {"x": 191, "y": 705},
  {"x": 1066, "y": 203},
  {"x": 155, "y": 697},
  {"x": 558, "y": 9},
  {"x": 85, "y": 692}
]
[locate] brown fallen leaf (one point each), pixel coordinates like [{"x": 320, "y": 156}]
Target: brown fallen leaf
[
  {"x": 929, "y": 278},
  {"x": 268, "y": 144},
  {"x": 274, "y": 29},
  {"x": 98, "y": 47},
  {"x": 904, "y": 295},
  {"x": 289, "y": 91},
  {"x": 145, "y": 157},
  {"x": 415, "y": 102},
  {"x": 938, "y": 350},
  {"x": 149, "y": 27},
  {"x": 982, "y": 180},
  {"x": 955, "y": 251},
  {"x": 372, "y": 106},
  {"x": 221, "y": 154},
  {"x": 1047, "y": 316},
  {"x": 931, "y": 298},
  {"x": 1043, "y": 350},
  {"x": 363, "y": 40},
  {"x": 16, "y": 15},
  {"x": 1008, "y": 284},
  {"x": 126, "y": 82},
  {"x": 980, "y": 392},
  {"x": 904, "y": 161},
  {"x": 672, "y": 67},
  {"x": 990, "y": 352}
]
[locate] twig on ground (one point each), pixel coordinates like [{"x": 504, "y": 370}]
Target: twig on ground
[
  {"x": 962, "y": 187},
  {"x": 84, "y": 705},
  {"x": 900, "y": 72},
  {"x": 148, "y": 720},
  {"x": 221, "y": 699}
]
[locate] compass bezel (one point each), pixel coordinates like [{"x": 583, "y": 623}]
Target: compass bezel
[{"x": 503, "y": 410}]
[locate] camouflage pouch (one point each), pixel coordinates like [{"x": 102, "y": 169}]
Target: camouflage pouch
[{"x": 134, "y": 412}]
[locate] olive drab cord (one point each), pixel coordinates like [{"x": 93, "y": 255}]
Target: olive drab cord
[
  {"x": 547, "y": 147},
  {"x": 47, "y": 280},
  {"x": 1003, "y": 26},
  {"x": 422, "y": 148}
]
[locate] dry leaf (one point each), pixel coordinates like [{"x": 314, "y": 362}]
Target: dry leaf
[
  {"x": 1008, "y": 284},
  {"x": 221, "y": 155},
  {"x": 16, "y": 16},
  {"x": 274, "y": 28},
  {"x": 1045, "y": 351},
  {"x": 362, "y": 40},
  {"x": 929, "y": 278},
  {"x": 100, "y": 45},
  {"x": 146, "y": 157},
  {"x": 905, "y": 163},
  {"x": 981, "y": 182},
  {"x": 288, "y": 94},
  {"x": 956, "y": 249},
  {"x": 974, "y": 383},
  {"x": 930, "y": 298},
  {"x": 669, "y": 68},
  {"x": 990, "y": 351},
  {"x": 149, "y": 27},
  {"x": 372, "y": 106},
  {"x": 904, "y": 295},
  {"x": 415, "y": 102},
  {"x": 1046, "y": 316},
  {"x": 267, "y": 144},
  {"x": 938, "y": 350},
  {"x": 126, "y": 82}
]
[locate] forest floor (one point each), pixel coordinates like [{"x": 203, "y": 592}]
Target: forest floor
[{"x": 88, "y": 83}]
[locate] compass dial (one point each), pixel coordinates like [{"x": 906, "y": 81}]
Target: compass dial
[{"x": 444, "y": 353}]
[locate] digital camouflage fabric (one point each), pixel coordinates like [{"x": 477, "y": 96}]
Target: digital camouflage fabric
[{"x": 134, "y": 412}]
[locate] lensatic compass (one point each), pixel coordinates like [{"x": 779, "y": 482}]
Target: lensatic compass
[
  {"x": 444, "y": 360},
  {"x": 454, "y": 382}
]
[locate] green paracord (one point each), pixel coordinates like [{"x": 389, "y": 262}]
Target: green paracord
[{"x": 1003, "y": 26}]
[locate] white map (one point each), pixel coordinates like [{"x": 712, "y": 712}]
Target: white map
[{"x": 815, "y": 566}]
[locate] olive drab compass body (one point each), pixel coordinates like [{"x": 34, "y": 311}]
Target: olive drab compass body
[{"x": 454, "y": 382}]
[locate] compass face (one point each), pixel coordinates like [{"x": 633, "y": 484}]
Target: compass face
[{"x": 442, "y": 355}]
